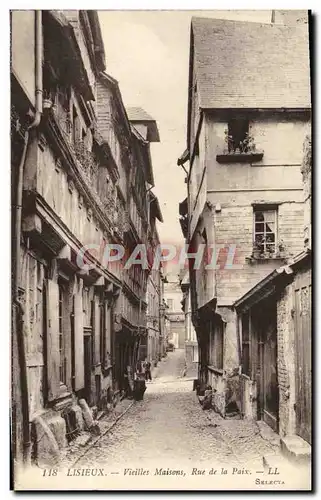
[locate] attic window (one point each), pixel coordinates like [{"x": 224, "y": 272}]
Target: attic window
[{"x": 238, "y": 131}]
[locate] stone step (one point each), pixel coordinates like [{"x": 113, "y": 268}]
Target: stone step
[
  {"x": 296, "y": 450},
  {"x": 280, "y": 467}
]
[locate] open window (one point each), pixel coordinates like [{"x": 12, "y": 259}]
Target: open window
[
  {"x": 238, "y": 133},
  {"x": 239, "y": 143}
]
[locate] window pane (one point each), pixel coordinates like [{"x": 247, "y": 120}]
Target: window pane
[
  {"x": 270, "y": 227},
  {"x": 259, "y": 238},
  {"x": 270, "y": 238},
  {"x": 259, "y": 217},
  {"x": 259, "y": 227},
  {"x": 269, "y": 216}
]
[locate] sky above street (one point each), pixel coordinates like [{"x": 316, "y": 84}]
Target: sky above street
[{"x": 148, "y": 53}]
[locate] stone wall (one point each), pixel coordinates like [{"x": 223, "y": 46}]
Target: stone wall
[
  {"x": 286, "y": 362},
  {"x": 218, "y": 383},
  {"x": 234, "y": 226},
  {"x": 248, "y": 397}
]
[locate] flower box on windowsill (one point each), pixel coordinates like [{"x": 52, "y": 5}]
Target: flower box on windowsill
[
  {"x": 265, "y": 256},
  {"x": 250, "y": 157}
]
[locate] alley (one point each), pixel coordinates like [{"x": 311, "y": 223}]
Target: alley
[{"x": 169, "y": 427}]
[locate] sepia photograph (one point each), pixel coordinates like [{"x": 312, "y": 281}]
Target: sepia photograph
[{"x": 161, "y": 206}]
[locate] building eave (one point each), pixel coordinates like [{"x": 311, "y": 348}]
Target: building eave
[{"x": 264, "y": 288}]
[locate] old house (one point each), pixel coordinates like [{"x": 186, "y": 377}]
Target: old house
[
  {"x": 134, "y": 332},
  {"x": 154, "y": 348},
  {"x": 274, "y": 320},
  {"x": 248, "y": 113},
  {"x": 81, "y": 174},
  {"x": 191, "y": 345},
  {"x": 174, "y": 312},
  {"x": 56, "y": 174}
]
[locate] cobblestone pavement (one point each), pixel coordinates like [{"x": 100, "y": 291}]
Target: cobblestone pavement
[{"x": 170, "y": 427}]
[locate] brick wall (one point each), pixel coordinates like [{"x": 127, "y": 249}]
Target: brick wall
[{"x": 234, "y": 226}]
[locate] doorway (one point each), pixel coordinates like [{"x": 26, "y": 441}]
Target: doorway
[{"x": 268, "y": 390}]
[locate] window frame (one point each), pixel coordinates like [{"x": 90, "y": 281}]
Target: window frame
[{"x": 265, "y": 209}]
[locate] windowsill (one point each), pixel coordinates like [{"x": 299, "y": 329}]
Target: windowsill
[
  {"x": 218, "y": 371},
  {"x": 264, "y": 258},
  {"x": 239, "y": 157}
]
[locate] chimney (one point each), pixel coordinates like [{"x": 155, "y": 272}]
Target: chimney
[{"x": 273, "y": 17}]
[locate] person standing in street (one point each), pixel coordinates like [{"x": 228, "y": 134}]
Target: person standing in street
[{"x": 147, "y": 370}]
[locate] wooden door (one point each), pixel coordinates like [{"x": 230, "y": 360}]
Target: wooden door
[
  {"x": 87, "y": 364},
  {"x": 302, "y": 327},
  {"x": 267, "y": 347}
]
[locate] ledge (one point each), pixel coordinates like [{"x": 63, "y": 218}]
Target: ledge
[
  {"x": 239, "y": 157},
  {"x": 218, "y": 371},
  {"x": 264, "y": 258}
]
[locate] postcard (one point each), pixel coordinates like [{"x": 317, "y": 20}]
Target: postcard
[{"x": 161, "y": 250}]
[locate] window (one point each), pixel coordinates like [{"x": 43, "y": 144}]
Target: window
[
  {"x": 238, "y": 130},
  {"x": 170, "y": 304},
  {"x": 61, "y": 313},
  {"x": 245, "y": 343},
  {"x": 265, "y": 231},
  {"x": 75, "y": 126}
]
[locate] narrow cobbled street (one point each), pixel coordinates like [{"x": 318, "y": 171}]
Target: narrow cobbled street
[
  {"x": 170, "y": 427},
  {"x": 167, "y": 441}
]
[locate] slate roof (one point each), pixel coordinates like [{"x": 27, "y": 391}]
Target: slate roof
[
  {"x": 138, "y": 115},
  {"x": 251, "y": 65}
]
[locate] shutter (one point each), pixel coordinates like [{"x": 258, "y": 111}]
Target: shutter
[
  {"x": 53, "y": 359},
  {"x": 79, "y": 342},
  {"x": 97, "y": 330}
]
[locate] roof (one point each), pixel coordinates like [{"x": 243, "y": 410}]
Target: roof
[
  {"x": 250, "y": 65},
  {"x": 267, "y": 285},
  {"x": 140, "y": 116}
]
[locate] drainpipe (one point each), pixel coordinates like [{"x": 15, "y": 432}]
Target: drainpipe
[{"x": 18, "y": 217}]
